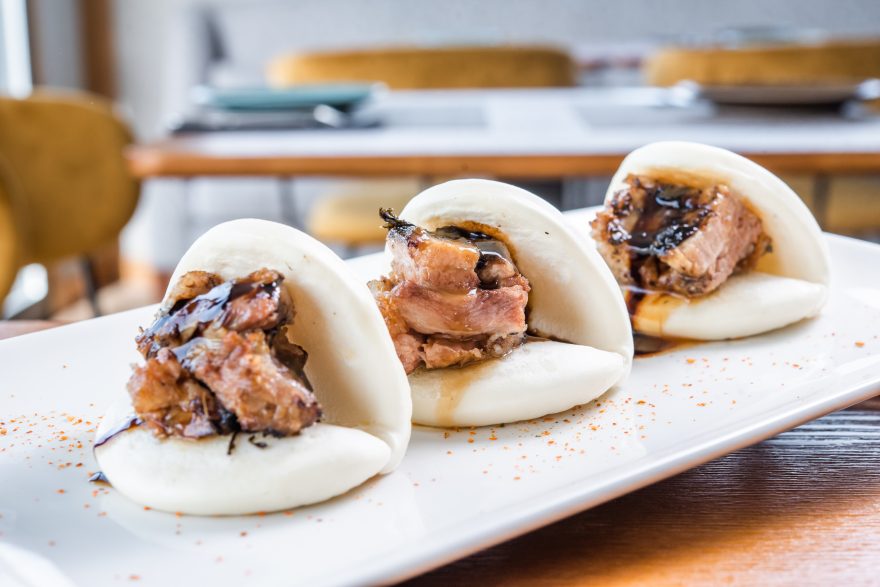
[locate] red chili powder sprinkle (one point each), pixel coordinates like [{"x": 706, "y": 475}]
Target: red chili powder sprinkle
[{"x": 860, "y": 343}]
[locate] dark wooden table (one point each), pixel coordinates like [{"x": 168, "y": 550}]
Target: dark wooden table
[{"x": 801, "y": 508}]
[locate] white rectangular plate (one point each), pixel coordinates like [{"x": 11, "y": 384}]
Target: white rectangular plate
[{"x": 456, "y": 491}]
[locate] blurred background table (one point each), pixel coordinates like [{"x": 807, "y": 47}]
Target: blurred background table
[
  {"x": 583, "y": 132},
  {"x": 798, "y": 508}
]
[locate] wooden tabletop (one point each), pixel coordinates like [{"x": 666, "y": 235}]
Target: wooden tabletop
[
  {"x": 803, "y": 507},
  {"x": 547, "y": 133}
]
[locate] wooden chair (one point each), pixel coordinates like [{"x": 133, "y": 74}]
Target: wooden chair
[
  {"x": 9, "y": 242},
  {"x": 348, "y": 215},
  {"x": 789, "y": 64},
  {"x": 65, "y": 190}
]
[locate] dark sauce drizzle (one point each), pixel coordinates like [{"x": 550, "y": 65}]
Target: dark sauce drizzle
[
  {"x": 189, "y": 316},
  {"x": 257, "y": 443},
  {"x": 132, "y": 422},
  {"x": 670, "y": 214},
  {"x": 231, "y": 446},
  {"x": 99, "y": 478}
]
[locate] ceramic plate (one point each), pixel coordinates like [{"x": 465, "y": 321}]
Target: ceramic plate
[
  {"x": 457, "y": 491},
  {"x": 301, "y": 96},
  {"x": 795, "y": 95}
]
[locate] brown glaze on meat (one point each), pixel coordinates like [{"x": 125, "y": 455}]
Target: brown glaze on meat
[
  {"x": 671, "y": 238},
  {"x": 254, "y": 302},
  {"x": 454, "y": 296},
  {"x": 218, "y": 360},
  {"x": 250, "y": 382}
]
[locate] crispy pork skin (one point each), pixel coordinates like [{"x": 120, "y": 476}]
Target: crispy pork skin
[
  {"x": 420, "y": 258},
  {"x": 454, "y": 296},
  {"x": 218, "y": 361},
  {"x": 664, "y": 237}
]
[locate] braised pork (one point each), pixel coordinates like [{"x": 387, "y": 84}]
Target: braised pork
[
  {"x": 218, "y": 360},
  {"x": 454, "y": 296},
  {"x": 678, "y": 239}
]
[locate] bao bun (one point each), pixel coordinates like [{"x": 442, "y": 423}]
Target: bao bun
[
  {"x": 353, "y": 369},
  {"x": 788, "y": 284},
  {"x": 574, "y": 298}
]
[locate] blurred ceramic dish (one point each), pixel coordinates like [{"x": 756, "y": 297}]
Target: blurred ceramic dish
[
  {"x": 788, "y": 95},
  {"x": 305, "y": 96}
]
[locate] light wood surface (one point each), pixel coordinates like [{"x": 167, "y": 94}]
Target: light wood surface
[
  {"x": 521, "y": 134},
  {"x": 800, "y": 508},
  {"x": 167, "y": 161}
]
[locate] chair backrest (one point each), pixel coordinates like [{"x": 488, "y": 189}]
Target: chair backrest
[
  {"x": 9, "y": 241},
  {"x": 443, "y": 67},
  {"x": 65, "y": 155},
  {"x": 829, "y": 63}
]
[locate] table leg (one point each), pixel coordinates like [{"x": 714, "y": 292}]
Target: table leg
[
  {"x": 289, "y": 211},
  {"x": 579, "y": 192},
  {"x": 821, "y": 194}
]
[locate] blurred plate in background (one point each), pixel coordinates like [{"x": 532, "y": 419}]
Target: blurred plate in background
[
  {"x": 340, "y": 95},
  {"x": 792, "y": 95}
]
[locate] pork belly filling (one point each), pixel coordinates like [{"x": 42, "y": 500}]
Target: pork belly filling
[
  {"x": 453, "y": 297},
  {"x": 677, "y": 239},
  {"x": 218, "y": 361}
]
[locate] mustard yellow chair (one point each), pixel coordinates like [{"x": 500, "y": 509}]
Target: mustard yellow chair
[
  {"x": 66, "y": 189},
  {"x": 348, "y": 215},
  {"x": 9, "y": 241},
  {"x": 790, "y": 64},
  {"x": 430, "y": 68}
]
